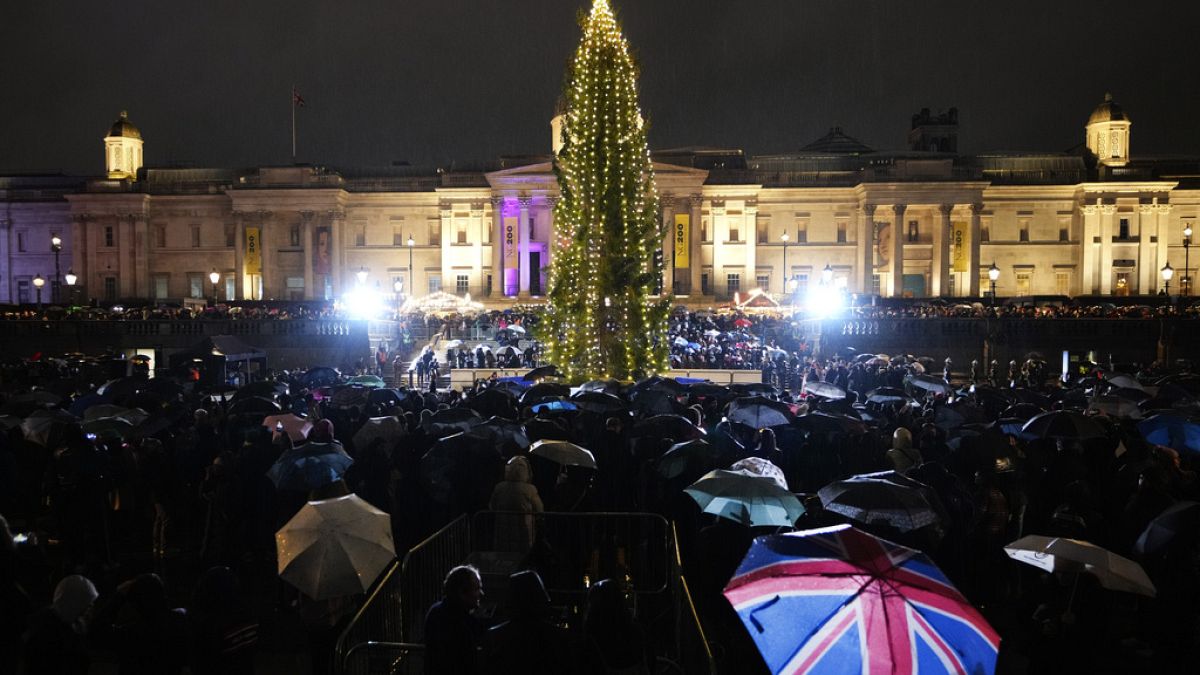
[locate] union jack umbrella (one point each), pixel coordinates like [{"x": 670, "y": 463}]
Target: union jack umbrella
[{"x": 838, "y": 600}]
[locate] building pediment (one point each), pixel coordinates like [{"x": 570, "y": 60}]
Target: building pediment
[{"x": 540, "y": 177}]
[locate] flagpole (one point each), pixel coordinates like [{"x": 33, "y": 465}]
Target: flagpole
[{"x": 293, "y": 102}]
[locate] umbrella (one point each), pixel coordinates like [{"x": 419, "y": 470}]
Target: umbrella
[
  {"x": 753, "y": 389},
  {"x": 1180, "y": 521},
  {"x": 758, "y": 413},
  {"x": 43, "y": 426},
  {"x": 516, "y": 328},
  {"x": 494, "y": 401},
  {"x": 37, "y": 398},
  {"x": 658, "y": 383},
  {"x": 675, "y": 427},
  {"x": 838, "y": 600},
  {"x": 335, "y": 547},
  {"x": 369, "y": 381},
  {"x": 562, "y": 452},
  {"x": 309, "y": 467},
  {"x": 825, "y": 390},
  {"x": 707, "y": 389},
  {"x": 684, "y": 458},
  {"x": 745, "y": 498},
  {"x": 680, "y": 342},
  {"x": 1130, "y": 394},
  {"x": 603, "y": 386},
  {"x": 541, "y": 429},
  {"x": 295, "y": 427},
  {"x": 1061, "y": 424},
  {"x": 1055, "y": 554},
  {"x": 9, "y": 422},
  {"x": 743, "y": 323},
  {"x": 597, "y": 402},
  {"x": 384, "y": 397},
  {"x": 321, "y": 376},
  {"x": 888, "y": 396},
  {"x": 1115, "y": 406},
  {"x": 823, "y": 423},
  {"x": 506, "y": 435},
  {"x": 389, "y": 429},
  {"x": 109, "y": 426},
  {"x": 1022, "y": 411},
  {"x": 656, "y": 402},
  {"x": 554, "y": 405},
  {"x": 350, "y": 396},
  {"x": 254, "y": 405},
  {"x": 870, "y": 499},
  {"x": 81, "y": 405},
  {"x": 1123, "y": 381},
  {"x": 544, "y": 390},
  {"x": 760, "y": 468},
  {"x": 929, "y": 383},
  {"x": 266, "y": 389},
  {"x": 540, "y": 373},
  {"x": 1172, "y": 430},
  {"x": 461, "y": 467},
  {"x": 453, "y": 343}
]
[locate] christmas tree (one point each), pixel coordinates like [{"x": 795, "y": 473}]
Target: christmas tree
[{"x": 602, "y": 318}]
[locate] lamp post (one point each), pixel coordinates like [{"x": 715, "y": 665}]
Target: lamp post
[
  {"x": 993, "y": 276},
  {"x": 1168, "y": 273},
  {"x": 56, "y": 246},
  {"x": 398, "y": 288},
  {"x": 827, "y": 274},
  {"x": 1187, "y": 270},
  {"x": 38, "y": 282},
  {"x": 411, "y": 276},
  {"x": 71, "y": 281},
  {"x": 214, "y": 276},
  {"x": 362, "y": 276},
  {"x": 786, "y": 274}
]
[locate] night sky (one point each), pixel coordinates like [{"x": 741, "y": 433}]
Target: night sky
[{"x": 431, "y": 81}]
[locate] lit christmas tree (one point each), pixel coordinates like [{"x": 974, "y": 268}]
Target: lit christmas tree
[{"x": 602, "y": 319}]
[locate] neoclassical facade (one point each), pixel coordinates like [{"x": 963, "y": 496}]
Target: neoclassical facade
[{"x": 924, "y": 221}]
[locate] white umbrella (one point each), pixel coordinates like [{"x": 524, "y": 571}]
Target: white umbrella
[
  {"x": 295, "y": 427},
  {"x": 1054, "y": 554},
  {"x": 335, "y": 547},
  {"x": 453, "y": 343},
  {"x": 388, "y": 428},
  {"x": 760, "y": 468},
  {"x": 516, "y": 329},
  {"x": 562, "y": 452}
]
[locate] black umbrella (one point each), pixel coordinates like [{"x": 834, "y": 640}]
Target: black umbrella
[
  {"x": 462, "y": 419},
  {"x": 597, "y": 402},
  {"x": 888, "y": 396},
  {"x": 541, "y": 429},
  {"x": 544, "y": 390},
  {"x": 309, "y": 467},
  {"x": 656, "y": 402},
  {"x": 753, "y": 389},
  {"x": 494, "y": 402},
  {"x": 262, "y": 389},
  {"x": 659, "y": 383},
  {"x": 507, "y": 436},
  {"x": 1176, "y": 527},
  {"x": 675, "y": 427},
  {"x": 1062, "y": 424},
  {"x": 349, "y": 396},
  {"x": 871, "y": 500},
  {"x": 540, "y": 373},
  {"x": 1022, "y": 411},
  {"x": 321, "y": 376},
  {"x": 759, "y": 413},
  {"x": 695, "y": 457},
  {"x": 385, "y": 398},
  {"x": 826, "y": 390},
  {"x": 822, "y": 423},
  {"x": 254, "y": 404},
  {"x": 707, "y": 389},
  {"x": 458, "y": 466},
  {"x": 604, "y": 386}
]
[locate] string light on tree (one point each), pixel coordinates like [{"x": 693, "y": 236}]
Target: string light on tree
[{"x": 601, "y": 315}]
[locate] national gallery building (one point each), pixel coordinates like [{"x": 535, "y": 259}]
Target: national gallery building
[{"x": 923, "y": 221}]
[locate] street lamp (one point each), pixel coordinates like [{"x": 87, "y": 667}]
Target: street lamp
[
  {"x": 362, "y": 275},
  {"x": 1187, "y": 246},
  {"x": 38, "y": 282},
  {"x": 71, "y": 281},
  {"x": 1168, "y": 273},
  {"x": 993, "y": 276},
  {"x": 214, "y": 276},
  {"x": 827, "y": 274},
  {"x": 56, "y": 246},
  {"x": 786, "y": 275},
  {"x": 411, "y": 275},
  {"x": 398, "y": 288}
]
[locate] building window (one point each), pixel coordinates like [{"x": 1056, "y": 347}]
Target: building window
[
  {"x": 295, "y": 288},
  {"x": 841, "y": 232},
  {"x": 294, "y": 236},
  {"x": 1123, "y": 229},
  {"x": 462, "y": 284},
  {"x": 487, "y": 234},
  {"x": 110, "y": 288},
  {"x": 801, "y": 284},
  {"x": 20, "y": 242},
  {"x": 764, "y": 282},
  {"x": 195, "y": 236},
  {"x": 230, "y": 286},
  {"x": 435, "y": 284},
  {"x": 914, "y": 231},
  {"x": 398, "y": 238},
  {"x": 487, "y": 289},
  {"x": 109, "y": 236},
  {"x": 762, "y": 232},
  {"x": 160, "y": 236},
  {"x": 23, "y": 291},
  {"x": 461, "y": 234},
  {"x": 1023, "y": 283},
  {"x": 735, "y": 233},
  {"x": 876, "y": 284},
  {"x": 704, "y": 283},
  {"x": 704, "y": 231},
  {"x": 162, "y": 285},
  {"x": 1023, "y": 229},
  {"x": 802, "y": 231},
  {"x": 195, "y": 285},
  {"x": 1064, "y": 234},
  {"x": 985, "y": 233},
  {"x": 1062, "y": 283},
  {"x": 435, "y": 233},
  {"x": 733, "y": 283},
  {"x": 360, "y": 235},
  {"x": 532, "y": 229}
]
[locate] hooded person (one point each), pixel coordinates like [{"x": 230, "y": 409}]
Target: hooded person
[
  {"x": 513, "y": 497},
  {"x": 57, "y": 639},
  {"x": 903, "y": 455},
  {"x": 528, "y": 643}
]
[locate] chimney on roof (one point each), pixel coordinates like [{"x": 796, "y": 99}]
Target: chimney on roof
[{"x": 934, "y": 133}]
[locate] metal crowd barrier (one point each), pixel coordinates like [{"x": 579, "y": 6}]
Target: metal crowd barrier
[{"x": 391, "y": 658}]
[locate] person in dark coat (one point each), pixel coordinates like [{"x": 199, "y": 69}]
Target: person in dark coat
[
  {"x": 56, "y": 643},
  {"x": 452, "y": 633},
  {"x": 613, "y": 641},
  {"x": 149, "y": 635},
  {"x": 528, "y": 643}
]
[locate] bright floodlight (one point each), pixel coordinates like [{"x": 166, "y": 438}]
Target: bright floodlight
[
  {"x": 824, "y": 301},
  {"x": 362, "y": 303}
]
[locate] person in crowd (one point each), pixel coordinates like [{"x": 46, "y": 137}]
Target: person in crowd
[
  {"x": 613, "y": 641},
  {"x": 903, "y": 456},
  {"x": 528, "y": 643},
  {"x": 453, "y": 635},
  {"x": 224, "y": 632},
  {"x": 516, "y": 495},
  {"x": 56, "y": 642},
  {"x": 148, "y": 635},
  {"x": 13, "y": 599}
]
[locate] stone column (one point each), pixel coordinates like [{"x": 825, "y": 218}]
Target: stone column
[
  {"x": 445, "y": 250},
  {"x": 478, "y": 223},
  {"x": 306, "y": 244},
  {"x": 141, "y": 256},
  {"x": 523, "y": 245},
  {"x": 750, "y": 227},
  {"x": 497, "y": 247},
  {"x": 941, "y": 252},
  {"x": 1147, "y": 275},
  {"x": 896, "y": 284},
  {"x": 268, "y": 253},
  {"x": 1164, "y": 238},
  {"x": 336, "y": 232},
  {"x": 1091, "y": 230},
  {"x": 976, "y": 226},
  {"x": 695, "y": 202},
  {"x": 864, "y": 251},
  {"x": 239, "y": 255},
  {"x": 5, "y": 261},
  {"x": 1107, "y": 212}
]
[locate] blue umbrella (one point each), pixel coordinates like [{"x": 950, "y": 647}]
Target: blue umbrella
[
  {"x": 1173, "y": 430},
  {"x": 81, "y": 404},
  {"x": 309, "y": 467}
]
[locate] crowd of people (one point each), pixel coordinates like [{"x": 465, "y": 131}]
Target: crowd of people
[{"x": 152, "y": 546}]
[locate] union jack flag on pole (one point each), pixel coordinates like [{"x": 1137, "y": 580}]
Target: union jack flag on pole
[{"x": 838, "y": 600}]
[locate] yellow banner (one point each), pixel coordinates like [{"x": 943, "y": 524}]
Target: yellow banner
[
  {"x": 960, "y": 248},
  {"x": 510, "y": 242},
  {"x": 253, "y": 258},
  {"x": 683, "y": 235}
]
